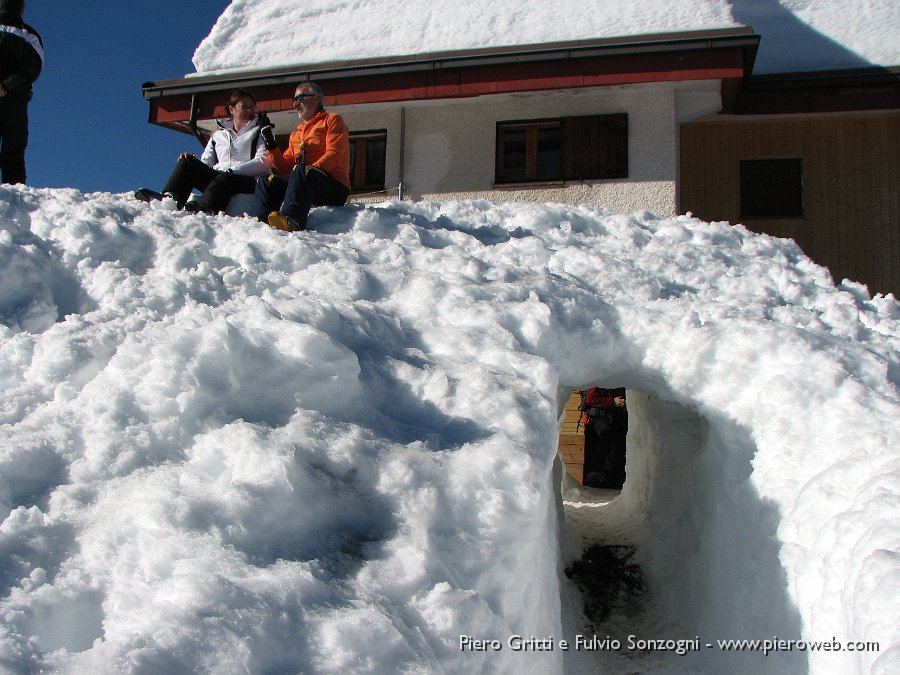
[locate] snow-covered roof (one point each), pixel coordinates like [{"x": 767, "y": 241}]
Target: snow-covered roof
[{"x": 797, "y": 35}]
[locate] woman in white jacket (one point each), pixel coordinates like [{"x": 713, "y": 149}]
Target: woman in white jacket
[{"x": 233, "y": 159}]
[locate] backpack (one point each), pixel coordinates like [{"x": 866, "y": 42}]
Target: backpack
[
  {"x": 585, "y": 409},
  {"x": 601, "y": 418}
]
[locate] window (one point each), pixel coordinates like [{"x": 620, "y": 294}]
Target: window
[
  {"x": 367, "y": 152},
  {"x": 529, "y": 152},
  {"x": 567, "y": 148},
  {"x": 772, "y": 188}
]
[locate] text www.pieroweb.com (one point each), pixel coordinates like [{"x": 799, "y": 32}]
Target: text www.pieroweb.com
[{"x": 680, "y": 646}]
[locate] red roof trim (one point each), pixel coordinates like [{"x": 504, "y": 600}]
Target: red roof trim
[{"x": 170, "y": 103}]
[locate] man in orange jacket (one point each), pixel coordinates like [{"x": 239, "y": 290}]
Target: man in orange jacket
[{"x": 314, "y": 170}]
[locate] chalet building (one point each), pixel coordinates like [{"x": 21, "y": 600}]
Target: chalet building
[{"x": 667, "y": 123}]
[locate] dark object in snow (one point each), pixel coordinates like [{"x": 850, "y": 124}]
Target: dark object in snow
[
  {"x": 147, "y": 195},
  {"x": 608, "y": 580}
]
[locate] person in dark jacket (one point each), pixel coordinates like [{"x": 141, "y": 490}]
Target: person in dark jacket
[
  {"x": 605, "y": 427},
  {"x": 21, "y": 61}
]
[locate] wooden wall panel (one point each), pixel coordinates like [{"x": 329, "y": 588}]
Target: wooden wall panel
[
  {"x": 571, "y": 438},
  {"x": 851, "y": 182}
]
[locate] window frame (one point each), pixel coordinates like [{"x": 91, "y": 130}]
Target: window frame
[
  {"x": 359, "y": 141},
  {"x": 607, "y": 135},
  {"x": 531, "y": 128}
]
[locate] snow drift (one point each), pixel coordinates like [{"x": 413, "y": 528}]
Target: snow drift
[{"x": 229, "y": 449}]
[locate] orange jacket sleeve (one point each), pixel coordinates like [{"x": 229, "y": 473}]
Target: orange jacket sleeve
[{"x": 284, "y": 162}]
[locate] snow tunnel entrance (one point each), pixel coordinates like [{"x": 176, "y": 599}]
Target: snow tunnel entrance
[
  {"x": 607, "y": 532},
  {"x": 660, "y": 437},
  {"x": 674, "y": 552}
]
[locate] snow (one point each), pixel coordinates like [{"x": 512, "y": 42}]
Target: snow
[
  {"x": 797, "y": 35},
  {"x": 229, "y": 449}
]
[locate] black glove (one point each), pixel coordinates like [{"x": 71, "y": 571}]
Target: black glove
[
  {"x": 268, "y": 136},
  {"x": 267, "y": 131}
]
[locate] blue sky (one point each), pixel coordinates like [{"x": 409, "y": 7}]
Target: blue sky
[{"x": 88, "y": 118}]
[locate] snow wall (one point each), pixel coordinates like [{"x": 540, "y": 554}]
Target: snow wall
[{"x": 229, "y": 449}]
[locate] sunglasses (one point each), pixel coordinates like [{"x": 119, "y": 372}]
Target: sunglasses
[{"x": 299, "y": 97}]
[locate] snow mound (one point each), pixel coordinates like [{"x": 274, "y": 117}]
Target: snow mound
[{"x": 225, "y": 448}]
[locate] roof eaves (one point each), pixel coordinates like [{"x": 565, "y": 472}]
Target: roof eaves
[
  {"x": 743, "y": 37},
  {"x": 873, "y": 76},
  {"x": 852, "y": 89}
]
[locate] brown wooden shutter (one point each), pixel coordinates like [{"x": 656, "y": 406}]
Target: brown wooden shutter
[{"x": 595, "y": 146}]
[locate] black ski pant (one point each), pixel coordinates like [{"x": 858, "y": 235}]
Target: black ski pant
[
  {"x": 217, "y": 187},
  {"x": 604, "y": 456},
  {"x": 298, "y": 195},
  {"x": 13, "y": 137}
]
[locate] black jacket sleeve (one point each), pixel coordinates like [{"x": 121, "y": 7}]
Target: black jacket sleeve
[{"x": 23, "y": 54}]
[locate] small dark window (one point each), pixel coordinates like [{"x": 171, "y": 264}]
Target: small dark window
[
  {"x": 528, "y": 151},
  {"x": 771, "y": 188},
  {"x": 367, "y": 153},
  {"x": 567, "y": 148}
]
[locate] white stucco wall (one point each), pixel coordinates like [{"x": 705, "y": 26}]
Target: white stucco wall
[{"x": 450, "y": 144}]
